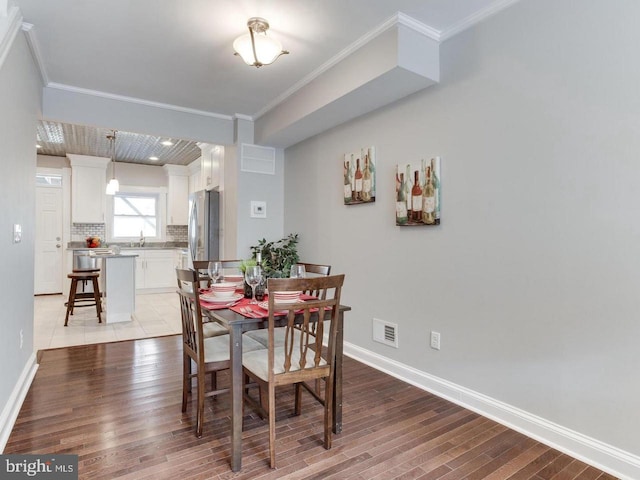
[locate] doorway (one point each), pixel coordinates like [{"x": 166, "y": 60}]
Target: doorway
[{"x": 48, "y": 235}]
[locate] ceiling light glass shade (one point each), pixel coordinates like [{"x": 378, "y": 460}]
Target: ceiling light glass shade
[
  {"x": 255, "y": 48},
  {"x": 267, "y": 49},
  {"x": 112, "y": 187}
]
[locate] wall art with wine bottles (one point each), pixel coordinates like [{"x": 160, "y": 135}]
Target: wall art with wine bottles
[
  {"x": 418, "y": 193},
  {"x": 359, "y": 169}
]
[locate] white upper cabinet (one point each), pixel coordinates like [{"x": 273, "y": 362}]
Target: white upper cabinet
[
  {"x": 178, "y": 196},
  {"x": 210, "y": 165},
  {"x": 88, "y": 183}
]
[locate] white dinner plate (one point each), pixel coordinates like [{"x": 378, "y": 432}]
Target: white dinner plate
[
  {"x": 265, "y": 306},
  {"x": 213, "y": 299}
]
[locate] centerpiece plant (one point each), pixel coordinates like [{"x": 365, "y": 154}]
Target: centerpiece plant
[
  {"x": 276, "y": 259},
  {"x": 277, "y": 256}
]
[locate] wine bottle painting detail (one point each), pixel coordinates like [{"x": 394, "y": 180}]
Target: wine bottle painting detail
[
  {"x": 359, "y": 170},
  {"x": 418, "y": 193}
]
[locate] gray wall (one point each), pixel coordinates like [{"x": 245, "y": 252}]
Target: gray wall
[
  {"x": 532, "y": 277},
  {"x": 265, "y": 188},
  {"x": 20, "y": 91}
]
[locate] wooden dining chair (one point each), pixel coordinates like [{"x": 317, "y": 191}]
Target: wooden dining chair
[
  {"x": 208, "y": 354},
  {"x": 314, "y": 270},
  {"x": 212, "y": 329},
  {"x": 202, "y": 266},
  {"x": 301, "y": 358}
]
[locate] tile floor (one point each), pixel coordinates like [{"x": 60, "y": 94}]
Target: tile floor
[{"x": 156, "y": 315}]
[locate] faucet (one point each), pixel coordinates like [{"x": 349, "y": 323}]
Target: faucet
[{"x": 141, "y": 238}]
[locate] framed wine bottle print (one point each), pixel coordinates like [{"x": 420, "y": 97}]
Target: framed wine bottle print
[
  {"x": 359, "y": 170},
  {"x": 418, "y": 193}
]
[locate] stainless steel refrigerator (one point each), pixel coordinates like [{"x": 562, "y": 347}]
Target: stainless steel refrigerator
[{"x": 204, "y": 225}]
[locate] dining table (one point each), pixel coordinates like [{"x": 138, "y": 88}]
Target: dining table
[{"x": 239, "y": 323}]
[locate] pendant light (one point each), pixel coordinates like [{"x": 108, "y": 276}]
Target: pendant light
[
  {"x": 255, "y": 48},
  {"x": 113, "y": 186}
]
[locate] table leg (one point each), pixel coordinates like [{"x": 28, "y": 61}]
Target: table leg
[
  {"x": 236, "y": 397},
  {"x": 337, "y": 388}
]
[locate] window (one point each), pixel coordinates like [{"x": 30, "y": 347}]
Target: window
[
  {"x": 48, "y": 180},
  {"x": 134, "y": 213}
]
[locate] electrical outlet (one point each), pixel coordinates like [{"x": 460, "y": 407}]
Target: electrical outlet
[{"x": 435, "y": 340}]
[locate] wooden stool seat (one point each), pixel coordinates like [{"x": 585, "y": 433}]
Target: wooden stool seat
[{"x": 83, "y": 299}]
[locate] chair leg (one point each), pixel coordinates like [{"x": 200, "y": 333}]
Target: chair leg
[
  {"x": 71, "y": 300},
  {"x": 186, "y": 380},
  {"x": 328, "y": 411},
  {"x": 200, "y": 417},
  {"x": 272, "y": 424},
  {"x": 96, "y": 297}
]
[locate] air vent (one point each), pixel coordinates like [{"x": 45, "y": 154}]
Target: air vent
[
  {"x": 385, "y": 332},
  {"x": 257, "y": 159}
]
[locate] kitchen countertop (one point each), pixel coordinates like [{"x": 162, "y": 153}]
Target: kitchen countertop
[{"x": 127, "y": 246}]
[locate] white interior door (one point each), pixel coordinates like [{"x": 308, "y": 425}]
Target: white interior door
[{"x": 48, "y": 241}]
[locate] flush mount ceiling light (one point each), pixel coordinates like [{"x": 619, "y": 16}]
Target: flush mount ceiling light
[
  {"x": 255, "y": 48},
  {"x": 113, "y": 186}
]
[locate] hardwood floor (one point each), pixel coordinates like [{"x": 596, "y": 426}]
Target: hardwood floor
[{"x": 117, "y": 405}]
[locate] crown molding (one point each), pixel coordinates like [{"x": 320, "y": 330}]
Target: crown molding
[
  {"x": 180, "y": 170},
  {"x": 30, "y": 32},
  {"x": 399, "y": 18},
  {"x": 383, "y": 27},
  {"x": 139, "y": 101},
  {"x": 476, "y": 18},
  {"x": 9, "y": 26},
  {"x": 412, "y": 23},
  {"x": 240, "y": 116}
]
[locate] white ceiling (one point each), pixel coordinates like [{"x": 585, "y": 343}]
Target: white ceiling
[{"x": 179, "y": 52}]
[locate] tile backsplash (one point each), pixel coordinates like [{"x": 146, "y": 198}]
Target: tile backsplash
[
  {"x": 80, "y": 231},
  {"x": 177, "y": 233}
]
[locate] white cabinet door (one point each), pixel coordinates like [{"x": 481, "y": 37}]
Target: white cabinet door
[
  {"x": 88, "y": 183},
  {"x": 178, "y": 200},
  {"x": 210, "y": 165},
  {"x": 155, "y": 268},
  {"x": 87, "y": 194},
  {"x": 139, "y": 267},
  {"x": 159, "y": 269}
]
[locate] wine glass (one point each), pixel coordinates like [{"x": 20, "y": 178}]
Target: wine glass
[
  {"x": 253, "y": 276},
  {"x": 298, "y": 271},
  {"x": 215, "y": 271}
]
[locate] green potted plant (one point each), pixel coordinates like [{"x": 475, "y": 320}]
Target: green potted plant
[{"x": 277, "y": 256}]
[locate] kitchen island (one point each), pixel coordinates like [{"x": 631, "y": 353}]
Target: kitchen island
[{"x": 118, "y": 286}]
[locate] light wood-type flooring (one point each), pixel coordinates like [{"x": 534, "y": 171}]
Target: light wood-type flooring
[{"x": 117, "y": 405}]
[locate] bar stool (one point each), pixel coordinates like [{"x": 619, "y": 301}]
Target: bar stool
[{"x": 81, "y": 299}]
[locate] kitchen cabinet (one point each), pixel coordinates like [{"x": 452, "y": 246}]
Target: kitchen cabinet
[
  {"x": 178, "y": 194},
  {"x": 210, "y": 165},
  {"x": 181, "y": 258},
  {"x": 88, "y": 183},
  {"x": 155, "y": 269}
]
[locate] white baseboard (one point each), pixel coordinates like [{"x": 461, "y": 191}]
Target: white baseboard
[
  {"x": 615, "y": 461},
  {"x": 12, "y": 408}
]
